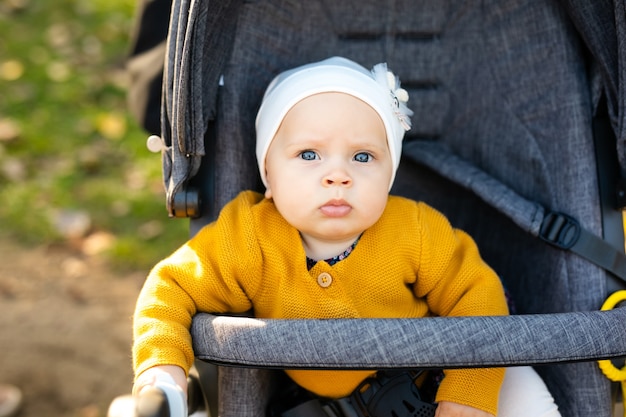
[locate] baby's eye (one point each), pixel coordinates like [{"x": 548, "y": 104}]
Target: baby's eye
[
  {"x": 308, "y": 155},
  {"x": 363, "y": 157}
]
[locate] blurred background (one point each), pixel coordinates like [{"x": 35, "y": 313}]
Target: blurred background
[
  {"x": 82, "y": 215},
  {"x": 73, "y": 165}
]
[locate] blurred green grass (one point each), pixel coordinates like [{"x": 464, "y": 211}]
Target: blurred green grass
[{"x": 74, "y": 168}]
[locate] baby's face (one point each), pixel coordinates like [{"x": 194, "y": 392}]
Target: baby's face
[{"x": 328, "y": 170}]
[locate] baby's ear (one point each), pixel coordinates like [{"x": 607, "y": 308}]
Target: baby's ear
[{"x": 268, "y": 188}]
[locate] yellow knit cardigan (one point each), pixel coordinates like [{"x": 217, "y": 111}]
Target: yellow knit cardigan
[{"x": 411, "y": 263}]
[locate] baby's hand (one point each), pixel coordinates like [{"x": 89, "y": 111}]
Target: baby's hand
[
  {"x": 450, "y": 409},
  {"x": 171, "y": 380}
]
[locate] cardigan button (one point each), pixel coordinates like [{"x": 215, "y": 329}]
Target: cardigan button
[{"x": 324, "y": 279}]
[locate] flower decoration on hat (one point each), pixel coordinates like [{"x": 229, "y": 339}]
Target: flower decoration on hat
[{"x": 398, "y": 97}]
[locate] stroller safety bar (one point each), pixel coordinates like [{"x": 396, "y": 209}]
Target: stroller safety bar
[{"x": 438, "y": 342}]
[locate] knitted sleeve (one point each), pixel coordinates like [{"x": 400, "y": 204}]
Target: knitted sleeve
[
  {"x": 457, "y": 282},
  {"x": 212, "y": 272}
]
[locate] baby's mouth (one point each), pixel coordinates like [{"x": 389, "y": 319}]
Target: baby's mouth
[{"x": 336, "y": 208}]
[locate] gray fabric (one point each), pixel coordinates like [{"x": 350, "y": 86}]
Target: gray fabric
[
  {"x": 441, "y": 342},
  {"x": 243, "y": 392},
  {"x": 526, "y": 214},
  {"x": 602, "y": 25}
]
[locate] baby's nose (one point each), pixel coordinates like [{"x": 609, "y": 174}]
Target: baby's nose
[{"x": 337, "y": 177}]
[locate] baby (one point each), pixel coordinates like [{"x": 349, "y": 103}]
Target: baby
[{"x": 328, "y": 241}]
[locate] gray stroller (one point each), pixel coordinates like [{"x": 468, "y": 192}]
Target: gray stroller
[{"x": 519, "y": 138}]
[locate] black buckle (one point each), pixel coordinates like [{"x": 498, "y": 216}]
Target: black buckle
[
  {"x": 560, "y": 230},
  {"x": 394, "y": 394}
]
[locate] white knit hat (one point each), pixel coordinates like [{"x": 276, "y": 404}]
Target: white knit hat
[{"x": 379, "y": 88}]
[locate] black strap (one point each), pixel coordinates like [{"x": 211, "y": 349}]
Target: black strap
[
  {"x": 564, "y": 232},
  {"x": 556, "y": 228}
]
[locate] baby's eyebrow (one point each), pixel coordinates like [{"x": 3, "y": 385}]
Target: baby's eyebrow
[
  {"x": 307, "y": 143},
  {"x": 366, "y": 144}
]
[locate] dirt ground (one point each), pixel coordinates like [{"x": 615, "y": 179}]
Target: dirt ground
[{"x": 65, "y": 330}]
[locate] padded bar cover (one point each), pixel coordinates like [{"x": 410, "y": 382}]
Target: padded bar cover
[{"x": 441, "y": 342}]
